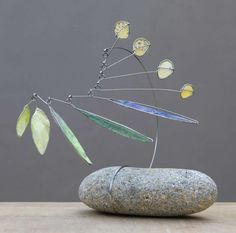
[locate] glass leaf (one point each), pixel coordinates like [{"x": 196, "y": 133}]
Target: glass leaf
[
  {"x": 165, "y": 69},
  {"x": 69, "y": 135},
  {"x": 115, "y": 127},
  {"x": 154, "y": 111},
  {"x": 23, "y": 121},
  {"x": 40, "y": 127},
  {"x": 186, "y": 91},
  {"x": 122, "y": 29},
  {"x": 141, "y": 46}
]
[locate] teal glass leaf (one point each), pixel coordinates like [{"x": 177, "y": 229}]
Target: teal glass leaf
[
  {"x": 40, "y": 127},
  {"x": 69, "y": 135},
  {"x": 115, "y": 127},
  {"x": 154, "y": 111}
]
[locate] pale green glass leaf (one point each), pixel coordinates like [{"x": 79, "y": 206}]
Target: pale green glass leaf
[
  {"x": 115, "y": 127},
  {"x": 69, "y": 135},
  {"x": 40, "y": 127},
  {"x": 23, "y": 121},
  {"x": 122, "y": 29},
  {"x": 141, "y": 46},
  {"x": 165, "y": 69}
]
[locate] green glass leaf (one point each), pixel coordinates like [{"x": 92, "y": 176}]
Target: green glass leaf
[
  {"x": 115, "y": 127},
  {"x": 69, "y": 135},
  {"x": 23, "y": 121},
  {"x": 40, "y": 127}
]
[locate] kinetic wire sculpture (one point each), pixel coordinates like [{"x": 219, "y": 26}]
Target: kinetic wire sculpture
[{"x": 40, "y": 124}]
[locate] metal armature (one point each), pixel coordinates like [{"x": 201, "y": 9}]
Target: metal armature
[
  {"x": 98, "y": 88},
  {"x": 140, "y": 46}
]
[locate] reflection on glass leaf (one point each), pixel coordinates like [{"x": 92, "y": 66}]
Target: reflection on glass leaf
[
  {"x": 154, "y": 111},
  {"x": 40, "y": 127},
  {"x": 165, "y": 69},
  {"x": 141, "y": 46},
  {"x": 115, "y": 127},
  {"x": 122, "y": 29},
  {"x": 69, "y": 135},
  {"x": 186, "y": 91},
  {"x": 23, "y": 121}
]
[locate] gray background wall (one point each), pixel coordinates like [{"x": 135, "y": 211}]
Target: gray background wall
[{"x": 54, "y": 47}]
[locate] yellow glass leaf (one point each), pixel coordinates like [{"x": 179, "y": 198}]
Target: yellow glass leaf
[
  {"x": 23, "y": 121},
  {"x": 122, "y": 29},
  {"x": 165, "y": 69},
  {"x": 40, "y": 127},
  {"x": 141, "y": 46},
  {"x": 186, "y": 91}
]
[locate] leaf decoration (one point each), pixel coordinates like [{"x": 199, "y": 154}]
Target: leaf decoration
[
  {"x": 186, "y": 91},
  {"x": 154, "y": 111},
  {"x": 69, "y": 135},
  {"x": 141, "y": 46},
  {"x": 165, "y": 69},
  {"x": 122, "y": 29},
  {"x": 40, "y": 127},
  {"x": 23, "y": 121},
  {"x": 115, "y": 127}
]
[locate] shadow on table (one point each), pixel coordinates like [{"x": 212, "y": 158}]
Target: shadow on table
[{"x": 90, "y": 213}]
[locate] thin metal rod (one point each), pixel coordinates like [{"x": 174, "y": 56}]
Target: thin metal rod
[
  {"x": 81, "y": 96},
  {"x": 153, "y": 95},
  {"x": 137, "y": 89},
  {"x": 58, "y": 100},
  {"x": 127, "y": 75},
  {"x": 113, "y": 178},
  {"x": 119, "y": 61},
  {"x": 40, "y": 98},
  {"x": 111, "y": 48},
  {"x": 154, "y": 151},
  {"x": 91, "y": 96},
  {"x": 30, "y": 101}
]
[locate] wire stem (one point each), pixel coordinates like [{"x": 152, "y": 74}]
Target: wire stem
[
  {"x": 127, "y": 75},
  {"x": 111, "y": 48},
  {"x": 58, "y": 100},
  {"x": 117, "y": 62},
  {"x": 40, "y": 98},
  {"x": 137, "y": 89},
  {"x": 155, "y": 149},
  {"x": 81, "y": 96}
]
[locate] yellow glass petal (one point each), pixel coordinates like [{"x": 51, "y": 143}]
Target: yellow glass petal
[
  {"x": 141, "y": 46},
  {"x": 40, "y": 127},
  {"x": 165, "y": 69},
  {"x": 122, "y": 29},
  {"x": 23, "y": 121},
  {"x": 186, "y": 91}
]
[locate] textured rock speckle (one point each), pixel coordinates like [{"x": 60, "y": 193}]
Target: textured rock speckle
[{"x": 148, "y": 192}]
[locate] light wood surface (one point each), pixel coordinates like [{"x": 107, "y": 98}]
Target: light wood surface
[{"x": 76, "y": 218}]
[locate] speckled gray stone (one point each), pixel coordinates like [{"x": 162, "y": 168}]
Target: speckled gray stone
[{"x": 148, "y": 192}]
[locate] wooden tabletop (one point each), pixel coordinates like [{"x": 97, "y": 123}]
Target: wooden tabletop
[{"x": 76, "y": 218}]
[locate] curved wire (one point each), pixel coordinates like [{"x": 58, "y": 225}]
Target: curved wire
[{"x": 154, "y": 99}]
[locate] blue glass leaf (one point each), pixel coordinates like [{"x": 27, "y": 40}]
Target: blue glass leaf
[{"x": 154, "y": 111}]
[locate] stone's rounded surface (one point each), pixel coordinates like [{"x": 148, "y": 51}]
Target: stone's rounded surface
[{"x": 148, "y": 192}]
